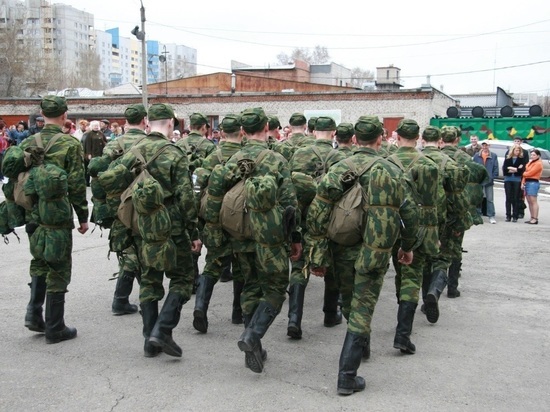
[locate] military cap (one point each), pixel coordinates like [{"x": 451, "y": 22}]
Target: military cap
[
  {"x": 135, "y": 113},
  {"x": 274, "y": 123},
  {"x": 368, "y": 128},
  {"x": 231, "y": 123},
  {"x": 325, "y": 123},
  {"x": 297, "y": 119},
  {"x": 253, "y": 120},
  {"x": 344, "y": 130},
  {"x": 311, "y": 123},
  {"x": 448, "y": 134},
  {"x": 160, "y": 111},
  {"x": 41, "y": 119},
  {"x": 408, "y": 129},
  {"x": 431, "y": 134},
  {"x": 105, "y": 121},
  {"x": 198, "y": 119},
  {"x": 53, "y": 106}
]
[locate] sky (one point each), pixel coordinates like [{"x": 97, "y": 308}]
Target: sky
[{"x": 464, "y": 47}]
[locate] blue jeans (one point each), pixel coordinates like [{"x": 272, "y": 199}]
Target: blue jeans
[{"x": 488, "y": 194}]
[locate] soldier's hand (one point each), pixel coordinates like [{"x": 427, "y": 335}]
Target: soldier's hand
[
  {"x": 295, "y": 251},
  {"x": 83, "y": 228},
  {"x": 196, "y": 246},
  {"x": 319, "y": 271},
  {"x": 405, "y": 258}
]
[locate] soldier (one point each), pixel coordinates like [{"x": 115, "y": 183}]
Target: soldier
[
  {"x": 344, "y": 134},
  {"x": 51, "y": 279},
  {"x": 170, "y": 169},
  {"x": 129, "y": 268},
  {"x": 424, "y": 176},
  {"x": 390, "y": 212},
  {"x": 297, "y": 127},
  {"x": 273, "y": 136},
  {"x": 311, "y": 125},
  {"x": 266, "y": 274},
  {"x": 218, "y": 255},
  {"x": 450, "y": 137},
  {"x": 455, "y": 207},
  {"x": 313, "y": 160}
]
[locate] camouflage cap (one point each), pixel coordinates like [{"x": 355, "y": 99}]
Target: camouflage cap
[
  {"x": 368, "y": 128},
  {"x": 53, "y": 106},
  {"x": 197, "y": 119},
  {"x": 311, "y": 123},
  {"x": 231, "y": 123},
  {"x": 135, "y": 113},
  {"x": 431, "y": 134},
  {"x": 325, "y": 123},
  {"x": 161, "y": 111},
  {"x": 297, "y": 119},
  {"x": 448, "y": 134},
  {"x": 274, "y": 123},
  {"x": 408, "y": 129},
  {"x": 253, "y": 120},
  {"x": 344, "y": 131}
]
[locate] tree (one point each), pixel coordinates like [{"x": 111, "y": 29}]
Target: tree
[
  {"x": 12, "y": 58},
  {"x": 360, "y": 76},
  {"x": 319, "y": 55}
]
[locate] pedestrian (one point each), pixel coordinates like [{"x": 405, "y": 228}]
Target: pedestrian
[
  {"x": 50, "y": 279},
  {"x": 474, "y": 147},
  {"x": 512, "y": 170},
  {"x": 395, "y": 213},
  {"x": 38, "y": 125},
  {"x": 530, "y": 183},
  {"x": 93, "y": 143},
  {"x": 490, "y": 160}
]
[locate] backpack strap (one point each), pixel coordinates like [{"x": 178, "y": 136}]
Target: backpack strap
[
  {"x": 137, "y": 153},
  {"x": 50, "y": 143},
  {"x": 364, "y": 169},
  {"x": 395, "y": 159},
  {"x": 261, "y": 156},
  {"x": 220, "y": 156}
]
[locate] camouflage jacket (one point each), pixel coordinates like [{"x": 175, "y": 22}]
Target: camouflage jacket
[
  {"x": 386, "y": 149},
  {"x": 346, "y": 150},
  {"x": 280, "y": 147},
  {"x": 121, "y": 144},
  {"x": 66, "y": 153},
  {"x": 197, "y": 148},
  {"x": 331, "y": 189},
  {"x": 306, "y": 160},
  {"x": 171, "y": 170},
  {"x": 298, "y": 140}
]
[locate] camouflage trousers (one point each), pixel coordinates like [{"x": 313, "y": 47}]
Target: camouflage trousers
[
  {"x": 58, "y": 275},
  {"x": 450, "y": 249},
  {"x": 297, "y": 274},
  {"x": 265, "y": 277},
  {"x": 181, "y": 277},
  {"x": 217, "y": 258},
  {"x": 341, "y": 275},
  {"x": 128, "y": 260},
  {"x": 408, "y": 278}
]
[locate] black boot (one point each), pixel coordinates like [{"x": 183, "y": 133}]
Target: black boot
[
  {"x": 237, "y": 312},
  {"x": 333, "y": 315},
  {"x": 202, "y": 300},
  {"x": 350, "y": 359},
  {"x": 295, "y": 311},
  {"x": 196, "y": 257},
  {"x": 250, "y": 341},
  {"x": 438, "y": 283},
  {"x": 56, "y": 331},
  {"x": 168, "y": 319},
  {"x": 149, "y": 313},
  {"x": 366, "y": 349},
  {"x": 454, "y": 274},
  {"x": 124, "y": 284},
  {"x": 33, "y": 319},
  {"x": 226, "y": 274},
  {"x": 405, "y": 318}
]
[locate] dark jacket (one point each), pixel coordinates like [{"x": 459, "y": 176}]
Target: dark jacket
[{"x": 517, "y": 162}]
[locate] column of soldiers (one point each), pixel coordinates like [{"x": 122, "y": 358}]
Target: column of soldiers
[{"x": 410, "y": 216}]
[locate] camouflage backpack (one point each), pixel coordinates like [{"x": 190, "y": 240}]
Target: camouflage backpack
[
  {"x": 201, "y": 182},
  {"x": 234, "y": 216},
  {"x": 126, "y": 212},
  {"x": 347, "y": 223}
]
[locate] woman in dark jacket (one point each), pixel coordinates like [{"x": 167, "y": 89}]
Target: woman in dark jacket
[{"x": 512, "y": 169}]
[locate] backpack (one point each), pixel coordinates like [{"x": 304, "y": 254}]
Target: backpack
[
  {"x": 202, "y": 176},
  {"x": 322, "y": 166},
  {"x": 234, "y": 217},
  {"x": 19, "y": 165},
  {"x": 126, "y": 213},
  {"x": 346, "y": 224}
]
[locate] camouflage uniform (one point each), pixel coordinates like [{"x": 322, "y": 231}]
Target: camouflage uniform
[
  {"x": 387, "y": 149},
  {"x": 390, "y": 213},
  {"x": 313, "y": 160},
  {"x": 425, "y": 177},
  {"x": 297, "y": 140}
]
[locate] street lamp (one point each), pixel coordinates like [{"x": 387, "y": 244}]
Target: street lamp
[
  {"x": 162, "y": 59},
  {"x": 140, "y": 34}
]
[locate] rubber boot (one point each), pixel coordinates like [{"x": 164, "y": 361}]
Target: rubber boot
[
  {"x": 333, "y": 315},
  {"x": 350, "y": 359},
  {"x": 250, "y": 341},
  {"x": 366, "y": 349},
  {"x": 202, "y": 300},
  {"x": 454, "y": 274},
  {"x": 168, "y": 319},
  {"x": 149, "y": 313},
  {"x": 226, "y": 274},
  {"x": 237, "y": 312},
  {"x": 405, "y": 318},
  {"x": 295, "y": 311},
  {"x": 33, "y": 319},
  {"x": 196, "y": 272},
  {"x": 124, "y": 285},
  {"x": 438, "y": 283},
  {"x": 56, "y": 331}
]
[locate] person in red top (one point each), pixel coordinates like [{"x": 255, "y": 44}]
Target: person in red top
[{"x": 530, "y": 183}]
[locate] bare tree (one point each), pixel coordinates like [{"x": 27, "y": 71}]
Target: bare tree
[
  {"x": 360, "y": 76},
  {"x": 320, "y": 55},
  {"x": 12, "y": 58}
]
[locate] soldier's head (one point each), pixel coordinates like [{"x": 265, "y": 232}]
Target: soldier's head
[
  {"x": 344, "y": 133},
  {"x": 162, "y": 119},
  {"x": 448, "y": 134},
  {"x": 254, "y": 123},
  {"x": 311, "y": 124},
  {"x": 297, "y": 122},
  {"x": 431, "y": 135},
  {"x": 231, "y": 126},
  {"x": 407, "y": 132},
  {"x": 135, "y": 115},
  {"x": 368, "y": 131},
  {"x": 458, "y": 132},
  {"x": 199, "y": 123},
  {"x": 54, "y": 109},
  {"x": 325, "y": 128},
  {"x": 274, "y": 126}
]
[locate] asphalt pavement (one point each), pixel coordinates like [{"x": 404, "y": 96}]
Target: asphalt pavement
[{"x": 488, "y": 350}]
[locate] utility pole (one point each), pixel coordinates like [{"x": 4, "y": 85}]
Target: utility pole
[
  {"x": 143, "y": 58},
  {"x": 163, "y": 59}
]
